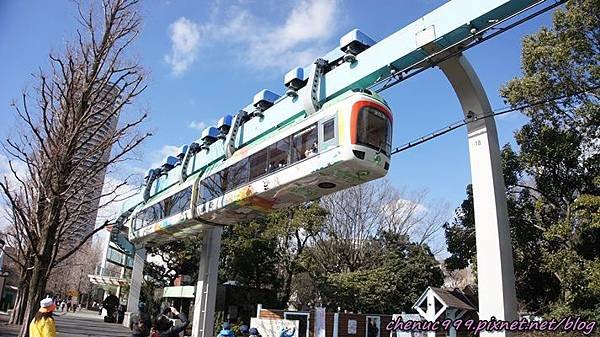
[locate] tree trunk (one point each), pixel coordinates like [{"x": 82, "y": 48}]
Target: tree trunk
[
  {"x": 18, "y": 313},
  {"x": 37, "y": 288},
  {"x": 287, "y": 290},
  {"x": 16, "y": 317}
]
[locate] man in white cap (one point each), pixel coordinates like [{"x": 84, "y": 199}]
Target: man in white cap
[{"x": 43, "y": 324}]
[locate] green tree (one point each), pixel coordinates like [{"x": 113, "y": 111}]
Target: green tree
[
  {"x": 403, "y": 272},
  {"x": 268, "y": 252},
  {"x": 249, "y": 256},
  {"x": 559, "y": 148},
  {"x": 460, "y": 235},
  {"x": 293, "y": 228},
  {"x": 180, "y": 257},
  {"x": 535, "y": 286},
  {"x": 552, "y": 182}
]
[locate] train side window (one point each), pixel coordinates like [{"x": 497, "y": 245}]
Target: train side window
[
  {"x": 156, "y": 212},
  {"x": 203, "y": 192},
  {"x": 279, "y": 154},
  {"x": 328, "y": 130},
  {"x": 177, "y": 203},
  {"x": 238, "y": 174},
  {"x": 181, "y": 201},
  {"x": 224, "y": 179},
  {"x": 210, "y": 187},
  {"x": 258, "y": 164},
  {"x": 166, "y": 207},
  {"x": 305, "y": 143}
]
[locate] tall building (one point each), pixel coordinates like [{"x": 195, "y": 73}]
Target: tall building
[{"x": 98, "y": 132}]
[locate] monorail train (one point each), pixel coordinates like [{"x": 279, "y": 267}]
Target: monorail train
[{"x": 348, "y": 142}]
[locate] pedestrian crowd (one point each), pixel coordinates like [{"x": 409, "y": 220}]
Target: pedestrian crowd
[{"x": 142, "y": 325}]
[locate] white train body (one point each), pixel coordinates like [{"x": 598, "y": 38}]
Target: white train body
[{"x": 348, "y": 142}]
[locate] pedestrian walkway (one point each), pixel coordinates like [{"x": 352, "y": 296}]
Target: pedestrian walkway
[{"x": 76, "y": 324}]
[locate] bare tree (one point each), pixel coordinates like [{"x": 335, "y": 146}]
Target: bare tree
[
  {"x": 459, "y": 278},
  {"x": 357, "y": 215},
  {"x": 72, "y": 274},
  {"x": 18, "y": 254},
  {"x": 69, "y": 138}
]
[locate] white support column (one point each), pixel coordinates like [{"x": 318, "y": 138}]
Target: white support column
[
  {"x": 451, "y": 314},
  {"x": 258, "y": 310},
  {"x": 206, "y": 288},
  {"x": 431, "y": 313},
  {"x": 495, "y": 273},
  {"x": 336, "y": 323},
  {"x": 135, "y": 286}
]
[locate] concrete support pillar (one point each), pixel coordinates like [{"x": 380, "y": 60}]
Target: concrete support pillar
[
  {"x": 495, "y": 273},
  {"x": 206, "y": 288},
  {"x": 135, "y": 286}
]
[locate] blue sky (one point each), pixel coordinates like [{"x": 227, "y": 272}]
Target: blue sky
[{"x": 208, "y": 58}]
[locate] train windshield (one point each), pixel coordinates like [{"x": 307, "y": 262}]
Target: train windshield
[
  {"x": 374, "y": 130},
  {"x": 174, "y": 204}
]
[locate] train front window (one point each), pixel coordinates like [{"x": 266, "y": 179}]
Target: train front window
[{"x": 374, "y": 130}]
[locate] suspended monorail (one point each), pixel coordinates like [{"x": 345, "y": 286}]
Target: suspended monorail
[
  {"x": 275, "y": 153},
  {"x": 348, "y": 142}
]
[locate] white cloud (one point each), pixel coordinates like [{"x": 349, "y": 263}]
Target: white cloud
[
  {"x": 13, "y": 183},
  {"x": 121, "y": 191},
  {"x": 197, "y": 125},
  {"x": 185, "y": 39},
  {"x": 5, "y": 171},
  {"x": 158, "y": 156},
  {"x": 297, "y": 41},
  {"x": 110, "y": 210}
]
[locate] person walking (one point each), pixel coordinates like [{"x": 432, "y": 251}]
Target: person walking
[
  {"x": 226, "y": 332},
  {"x": 110, "y": 304},
  {"x": 43, "y": 324},
  {"x": 244, "y": 331},
  {"x": 141, "y": 322},
  {"x": 254, "y": 332},
  {"x": 163, "y": 326},
  {"x": 287, "y": 332},
  {"x": 372, "y": 330}
]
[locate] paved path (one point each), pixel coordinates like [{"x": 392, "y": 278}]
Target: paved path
[{"x": 78, "y": 324}]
